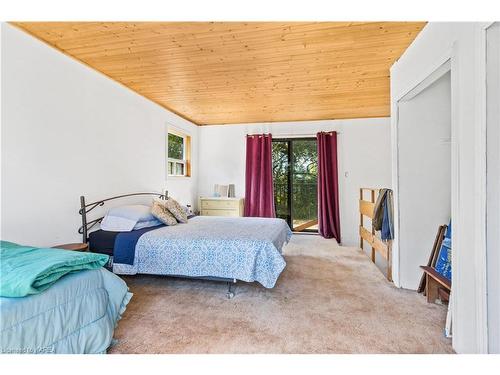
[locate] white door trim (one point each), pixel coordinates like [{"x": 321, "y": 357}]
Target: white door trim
[
  {"x": 481, "y": 192},
  {"x": 492, "y": 215}
]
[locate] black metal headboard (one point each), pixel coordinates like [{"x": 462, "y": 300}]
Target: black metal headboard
[{"x": 87, "y": 207}]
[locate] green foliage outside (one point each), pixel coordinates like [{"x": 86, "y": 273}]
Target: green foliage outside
[{"x": 175, "y": 147}]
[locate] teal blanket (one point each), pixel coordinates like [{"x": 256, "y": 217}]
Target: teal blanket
[{"x": 28, "y": 270}]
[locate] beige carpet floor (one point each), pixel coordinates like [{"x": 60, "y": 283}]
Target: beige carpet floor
[{"x": 329, "y": 299}]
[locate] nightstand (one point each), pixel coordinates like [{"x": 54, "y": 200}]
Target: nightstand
[
  {"x": 218, "y": 206},
  {"x": 73, "y": 246}
]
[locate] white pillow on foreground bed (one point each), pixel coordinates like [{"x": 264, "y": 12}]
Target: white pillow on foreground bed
[{"x": 128, "y": 218}]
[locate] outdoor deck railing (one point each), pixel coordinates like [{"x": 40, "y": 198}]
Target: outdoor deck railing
[{"x": 305, "y": 206}]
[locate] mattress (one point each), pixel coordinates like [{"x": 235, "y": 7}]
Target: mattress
[{"x": 102, "y": 241}]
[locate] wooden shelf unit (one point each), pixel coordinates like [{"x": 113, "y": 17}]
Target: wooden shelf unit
[
  {"x": 366, "y": 208},
  {"x": 436, "y": 286}
]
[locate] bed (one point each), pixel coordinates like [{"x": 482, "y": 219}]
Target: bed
[
  {"x": 75, "y": 313},
  {"x": 218, "y": 248}
]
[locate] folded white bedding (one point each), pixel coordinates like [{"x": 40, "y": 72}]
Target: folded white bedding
[{"x": 127, "y": 218}]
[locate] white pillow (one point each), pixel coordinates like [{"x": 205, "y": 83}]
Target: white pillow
[
  {"x": 147, "y": 224},
  {"x": 125, "y": 218}
]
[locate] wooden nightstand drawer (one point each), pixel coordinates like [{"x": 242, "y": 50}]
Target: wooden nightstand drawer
[
  {"x": 219, "y": 204},
  {"x": 226, "y": 213}
]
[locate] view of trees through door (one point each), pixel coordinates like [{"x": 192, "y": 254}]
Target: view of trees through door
[{"x": 295, "y": 173}]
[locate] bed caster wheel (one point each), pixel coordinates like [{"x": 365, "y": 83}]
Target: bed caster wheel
[{"x": 229, "y": 295}]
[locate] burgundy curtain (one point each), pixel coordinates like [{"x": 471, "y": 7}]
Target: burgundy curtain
[
  {"x": 259, "y": 192},
  {"x": 328, "y": 186}
]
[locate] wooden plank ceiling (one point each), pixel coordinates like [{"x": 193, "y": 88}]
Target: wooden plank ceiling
[{"x": 227, "y": 72}]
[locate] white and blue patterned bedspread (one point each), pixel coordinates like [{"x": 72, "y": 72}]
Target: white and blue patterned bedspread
[{"x": 242, "y": 248}]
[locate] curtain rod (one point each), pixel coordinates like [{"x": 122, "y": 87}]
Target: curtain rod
[{"x": 295, "y": 135}]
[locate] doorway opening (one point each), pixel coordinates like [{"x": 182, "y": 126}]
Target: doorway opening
[
  {"x": 424, "y": 171},
  {"x": 295, "y": 176}
]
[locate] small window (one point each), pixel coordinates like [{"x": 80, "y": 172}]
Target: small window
[{"x": 179, "y": 152}]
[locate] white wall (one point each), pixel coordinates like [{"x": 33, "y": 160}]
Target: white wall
[
  {"x": 424, "y": 177},
  {"x": 68, "y": 130},
  {"x": 464, "y": 43},
  {"x": 364, "y": 159}
]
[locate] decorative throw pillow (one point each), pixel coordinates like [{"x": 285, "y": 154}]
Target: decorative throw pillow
[
  {"x": 176, "y": 209},
  {"x": 161, "y": 212}
]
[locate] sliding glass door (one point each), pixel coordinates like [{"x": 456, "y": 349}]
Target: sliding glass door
[{"x": 295, "y": 173}]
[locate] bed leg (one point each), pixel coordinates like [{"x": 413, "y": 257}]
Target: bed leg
[{"x": 230, "y": 291}]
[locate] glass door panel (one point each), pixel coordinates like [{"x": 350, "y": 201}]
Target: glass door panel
[
  {"x": 281, "y": 167},
  {"x": 295, "y": 164},
  {"x": 304, "y": 185}
]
